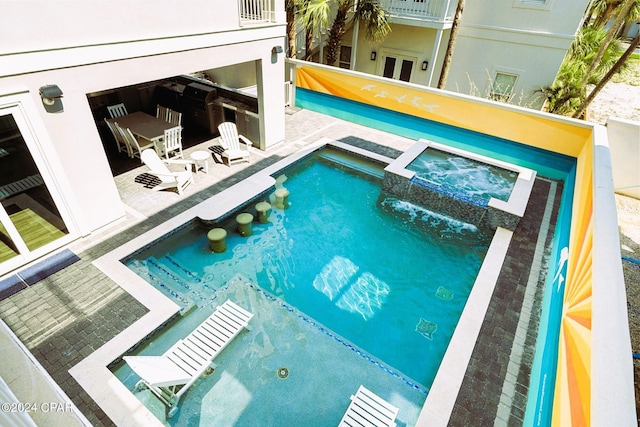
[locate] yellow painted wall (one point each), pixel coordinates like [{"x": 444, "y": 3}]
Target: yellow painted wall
[{"x": 520, "y": 125}]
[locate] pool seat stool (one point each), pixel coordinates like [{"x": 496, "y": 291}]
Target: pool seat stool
[
  {"x": 262, "y": 209},
  {"x": 245, "y": 221},
  {"x": 217, "y": 241},
  {"x": 169, "y": 376},
  {"x": 282, "y": 196},
  {"x": 368, "y": 409}
]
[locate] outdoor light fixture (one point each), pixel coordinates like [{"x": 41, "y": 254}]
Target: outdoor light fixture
[
  {"x": 425, "y": 65},
  {"x": 373, "y": 56},
  {"x": 51, "y": 101},
  {"x": 276, "y": 49}
]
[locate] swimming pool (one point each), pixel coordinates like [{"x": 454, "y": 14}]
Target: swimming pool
[{"x": 381, "y": 272}]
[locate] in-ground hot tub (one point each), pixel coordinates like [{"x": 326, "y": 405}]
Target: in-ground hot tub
[{"x": 474, "y": 188}]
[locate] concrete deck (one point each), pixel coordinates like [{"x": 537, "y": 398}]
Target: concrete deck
[{"x": 65, "y": 317}]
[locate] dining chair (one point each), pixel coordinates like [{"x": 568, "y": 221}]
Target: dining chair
[
  {"x": 162, "y": 113},
  {"x": 120, "y": 142},
  {"x": 172, "y": 143},
  {"x": 117, "y": 110},
  {"x": 136, "y": 146},
  {"x": 174, "y": 117}
]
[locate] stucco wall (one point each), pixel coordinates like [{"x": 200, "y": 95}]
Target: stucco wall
[
  {"x": 624, "y": 142},
  {"x": 86, "y": 47}
]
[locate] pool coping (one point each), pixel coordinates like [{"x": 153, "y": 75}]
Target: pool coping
[{"x": 124, "y": 409}]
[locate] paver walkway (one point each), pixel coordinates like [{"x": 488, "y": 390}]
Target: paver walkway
[{"x": 68, "y": 315}]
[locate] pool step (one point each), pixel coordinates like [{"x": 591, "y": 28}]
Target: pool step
[
  {"x": 171, "y": 283},
  {"x": 352, "y": 162}
]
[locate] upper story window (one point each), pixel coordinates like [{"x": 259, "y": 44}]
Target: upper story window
[
  {"x": 502, "y": 87},
  {"x": 533, "y": 4}
]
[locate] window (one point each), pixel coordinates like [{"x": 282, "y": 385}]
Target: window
[
  {"x": 502, "y": 87},
  {"x": 345, "y": 57},
  {"x": 533, "y": 4}
]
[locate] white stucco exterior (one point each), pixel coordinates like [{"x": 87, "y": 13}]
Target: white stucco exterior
[
  {"x": 86, "y": 47},
  {"x": 524, "y": 38},
  {"x": 527, "y": 39}
]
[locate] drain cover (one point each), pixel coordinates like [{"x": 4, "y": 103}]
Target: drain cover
[{"x": 283, "y": 373}]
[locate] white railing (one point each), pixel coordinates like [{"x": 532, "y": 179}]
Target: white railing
[
  {"x": 255, "y": 11},
  {"x": 438, "y": 10}
]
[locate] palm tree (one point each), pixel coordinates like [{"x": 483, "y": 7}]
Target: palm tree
[
  {"x": 623, "y": 9},
  {"x": 446, "y": 64},
  {"x": 367, "y": 12},
  {"x": 616, "y": 67},
  {"x": 594, "y": 52},
  {"x": 290, "y": 10},
  {"x": 316, "y": 15}
]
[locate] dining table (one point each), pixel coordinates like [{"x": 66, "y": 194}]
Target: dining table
[{"x": 143, "y": 125}]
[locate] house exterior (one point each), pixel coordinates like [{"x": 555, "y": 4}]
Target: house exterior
[
  {"x": 62, "y": 63},
  {"x": 505, "y": 51}
]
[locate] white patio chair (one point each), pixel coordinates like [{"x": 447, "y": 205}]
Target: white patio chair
[
  {"x": 136, "y": 146},
  {"x": 230, "y": 142},
  {"x": 120, "y": 142},
  {"x": 174, "y": 117},
  {"x": 171, "y": 143},
  {"x": 162, "y": 112},
  {"x": 169, "y": 376},
  {"x": 178, "y": 180},
  {"x": 368, "y": 409},
  {"x": 117, "y": 110}
]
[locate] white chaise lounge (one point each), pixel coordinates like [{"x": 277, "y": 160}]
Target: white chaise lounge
[
  {"x": 369, "y": 410},
  {"x": 169, "y": 376}
]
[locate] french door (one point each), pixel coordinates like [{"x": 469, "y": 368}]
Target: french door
[
  {"x": 398, "y": 67},
  {"x": 30, "y": 220}
]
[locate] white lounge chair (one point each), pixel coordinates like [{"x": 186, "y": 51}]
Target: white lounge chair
[
  {"x": 169, "y": 376},
  {"x": 230, "y": 142},
  {"x": 177, "y": 180},
  {"x": 369, "y": 410}
]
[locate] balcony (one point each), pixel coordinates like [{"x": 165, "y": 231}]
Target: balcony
[
  {"x": 256, "y": 11},
  {"x": 420, "y": 10}
]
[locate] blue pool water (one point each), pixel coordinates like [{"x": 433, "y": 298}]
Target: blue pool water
[
  {"x": 388, "y": 276},
  {"x": 473, "y": 180}
]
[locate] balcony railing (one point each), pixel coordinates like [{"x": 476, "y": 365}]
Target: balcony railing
[
  {"x": 256, "y": 11},
  {"x": 437, "y": 10}
]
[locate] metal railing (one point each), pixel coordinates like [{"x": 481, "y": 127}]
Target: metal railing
[
  {"x": 439, "y": 10},
  {"x": 255, "y": 11}
]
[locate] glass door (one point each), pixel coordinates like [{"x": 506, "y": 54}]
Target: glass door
[
  {"x": 398, "y": 67},
  {"x": 30, "y": 221}
]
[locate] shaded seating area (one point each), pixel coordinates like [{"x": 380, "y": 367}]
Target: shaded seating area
[
  {"x": 230, "y": 142},
  {"x": 168, "y": 179},
  {"x": 169, "y": 376},
  {"x": 369, "y": 410}
]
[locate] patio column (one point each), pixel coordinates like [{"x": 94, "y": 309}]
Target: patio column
[{"x": 271, "y": 100}]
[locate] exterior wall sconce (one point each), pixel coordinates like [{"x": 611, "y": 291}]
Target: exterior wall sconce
[
  {"x": 373, "y": 56},
  {"x": 425, "y": 65},
  {"x": 276, "y": 49},
  {"x": 51, "y": 101}
]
